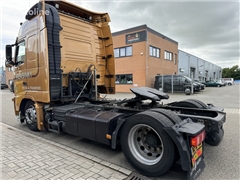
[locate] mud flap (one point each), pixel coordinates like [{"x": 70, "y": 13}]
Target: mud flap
[
  {"x": 197, "y": 169},
  {"x": 191, "y": 158}
]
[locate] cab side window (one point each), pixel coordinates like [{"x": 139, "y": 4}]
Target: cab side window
[{"x": 20, "y": 53}]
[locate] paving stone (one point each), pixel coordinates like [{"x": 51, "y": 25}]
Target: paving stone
[
  {"x": 84, "y": 170},
  {"x": 95, "y": 170},
  {"x": 95, "y": 176},
  {"x": 104, "y": 174},
  {"x": 12, "y": 174},
  {"x": 125, "y": 171},
  {"x": 68, "y": 175}
]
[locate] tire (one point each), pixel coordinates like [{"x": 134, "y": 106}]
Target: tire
[
  {"x": 187, "y": 91},
  {"x": 175, "y": 119},
  {"x": 214, "y": 138},
  {"x": 31, "y": 116},
  {"x": 169, "y": 114},
  {"x": 218, "y": 85},
  {"x": 229, "y": 84},
  {"x": 186, "y": 103},
  {"x": 146, "y": 145},
  {"x": 202, "y": 104}
]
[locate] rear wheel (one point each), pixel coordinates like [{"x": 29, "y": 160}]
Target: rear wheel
[
  {"x": 186, "y": 103},
  {"x": 202, "y": 104},
  {"x": 187, "y": 91},
  {"x": 169, "y": 114},
  {"x": 31, "y": 116},
  {"x": 175, "y": 119},
  {"x": 214, "y": 138},
  {"x": 145, "y": 144},
  {"x": 229, "y": 84}
]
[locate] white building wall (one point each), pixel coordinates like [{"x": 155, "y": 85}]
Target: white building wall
[{"x": 197, "y": 68}]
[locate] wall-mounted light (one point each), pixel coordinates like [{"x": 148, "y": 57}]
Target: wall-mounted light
[{"x": 181, "y": 70}]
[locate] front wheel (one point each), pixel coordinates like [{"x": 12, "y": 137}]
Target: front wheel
[
  {"x": 31, "y": 116},
  {"x": 145, "y": 144}
]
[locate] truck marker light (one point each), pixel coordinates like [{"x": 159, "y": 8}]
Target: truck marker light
[
  {"x": 195, "y": 141},
  {"x": 108, "y": 136}
]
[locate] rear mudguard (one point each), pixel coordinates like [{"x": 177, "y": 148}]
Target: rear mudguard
[{"x": 180, "y": 134}]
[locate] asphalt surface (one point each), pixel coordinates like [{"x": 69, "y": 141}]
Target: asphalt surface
[{"x": 222, "y": 162}]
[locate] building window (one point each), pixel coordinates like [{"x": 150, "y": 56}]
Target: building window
[
  {"x": 168, "y": 55},
  {"x": 116, "y": 53},
  {"x": 192, "y": 73},
  {"x": 175, "y": 58},
  {"x": 123, "y": 52},
  {"x": 154, "y": 52},
  {"x": 124, "y": 79},
  {"x": 10, "y": 69}
]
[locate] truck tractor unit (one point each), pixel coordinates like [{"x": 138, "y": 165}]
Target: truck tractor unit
[{"x": 64, "y": 62}]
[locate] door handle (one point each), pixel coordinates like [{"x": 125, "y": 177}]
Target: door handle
[{"x": 25, "y": 83}]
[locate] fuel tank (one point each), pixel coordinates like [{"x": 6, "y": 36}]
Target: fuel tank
[{"x": 91, "y": 124}]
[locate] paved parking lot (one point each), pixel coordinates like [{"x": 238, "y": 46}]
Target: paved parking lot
[
  {"x": 25, "y": 156},
  {"x": 222, "y": 162}
]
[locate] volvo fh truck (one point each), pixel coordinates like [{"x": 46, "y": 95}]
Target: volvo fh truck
[{"x": 63, "y": 62}]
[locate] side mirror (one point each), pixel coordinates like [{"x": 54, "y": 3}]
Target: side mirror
[
  {"x": 8, "y": 51},
  {"x": 9, "y": 64}
]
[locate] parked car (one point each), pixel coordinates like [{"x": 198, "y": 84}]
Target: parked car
[
  {"x": 179, "y": 83},
  {"x": 229, "y": 81},
  {"x": 4, "y": 86},
  {"x": 11, "y": 87},
  {"x": 201, "y": 85},
  {"x": 222, "y": 82},
  {"x": 213, "y": 84}
]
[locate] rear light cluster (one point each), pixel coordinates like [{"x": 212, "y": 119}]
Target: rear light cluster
[{"x": 195, "y": 141}]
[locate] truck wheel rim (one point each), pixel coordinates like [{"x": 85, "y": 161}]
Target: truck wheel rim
[
  {"x": 145, "y": 144},
  {"x": 31, "y": 115}
]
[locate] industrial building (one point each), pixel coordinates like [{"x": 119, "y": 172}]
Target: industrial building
[{"x": 197, "y": 68}]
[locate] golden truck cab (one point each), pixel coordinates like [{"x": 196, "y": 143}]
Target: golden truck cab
[{"x": 62, "y": 52}]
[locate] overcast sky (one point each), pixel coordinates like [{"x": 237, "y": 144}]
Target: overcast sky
[{"x": 207, "y": 29}]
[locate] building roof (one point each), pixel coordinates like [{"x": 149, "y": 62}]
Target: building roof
[
  {"x": 198, "y": 58},
  {"x": 143, "y": 27}
]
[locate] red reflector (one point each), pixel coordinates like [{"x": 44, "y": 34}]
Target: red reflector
[{"x": 195, "y": 141}]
